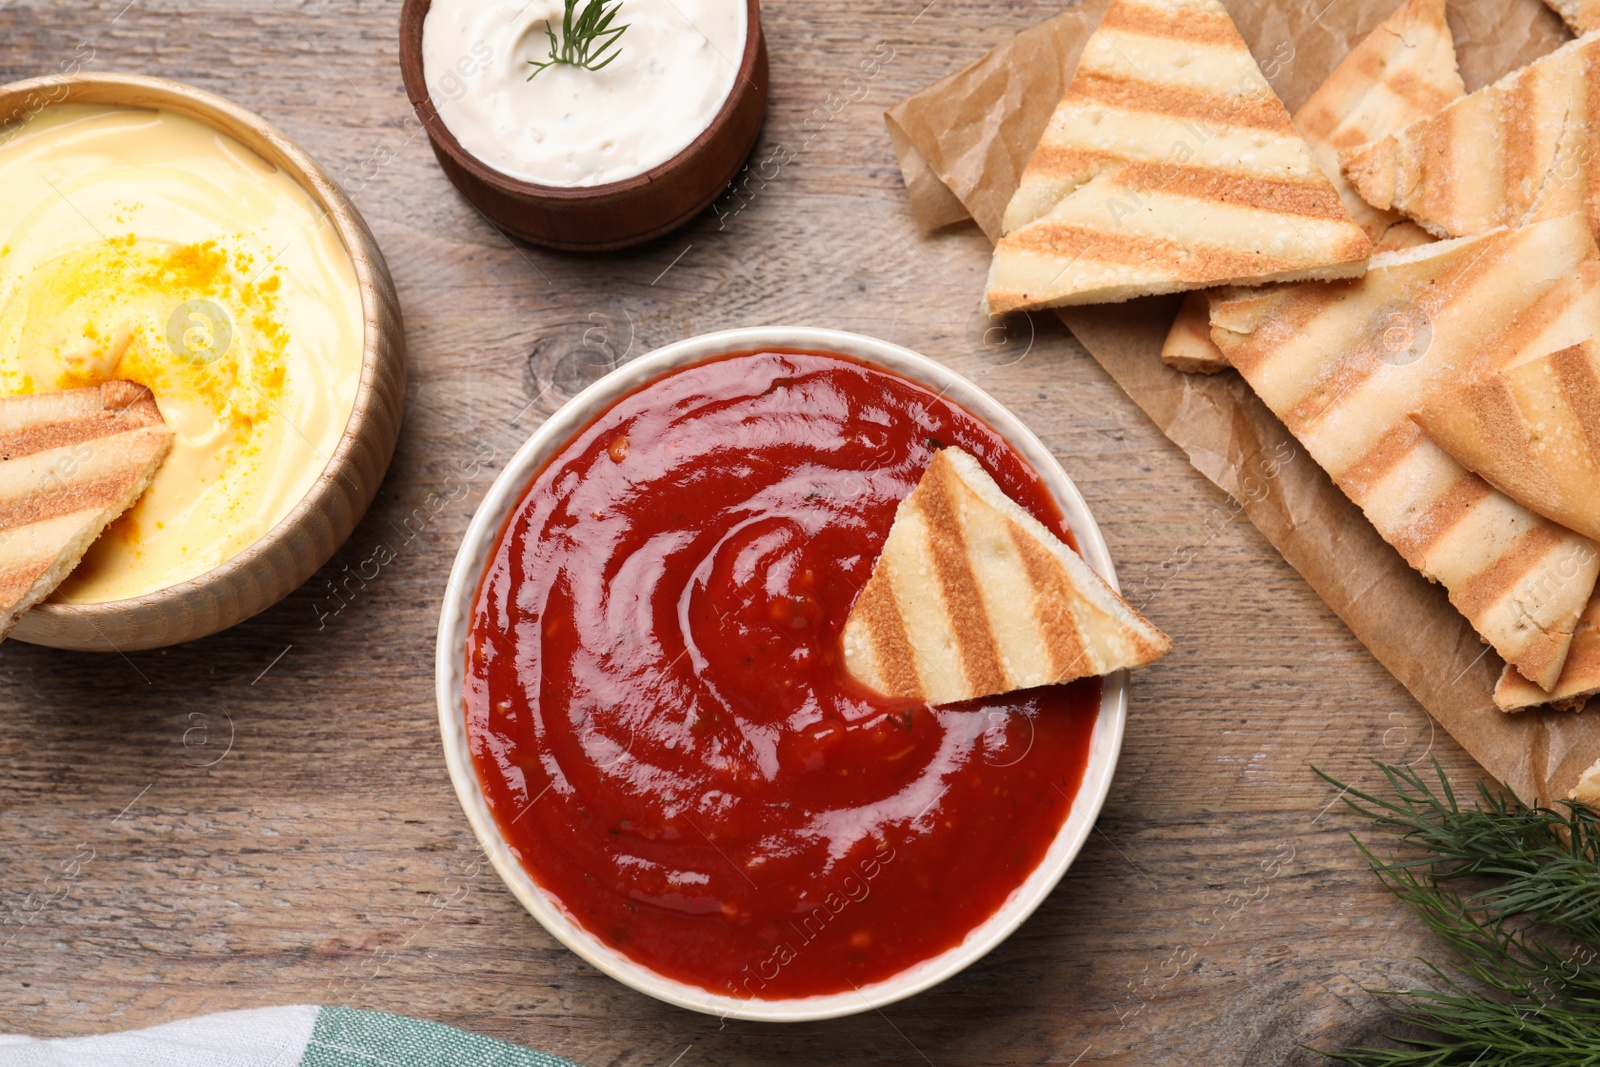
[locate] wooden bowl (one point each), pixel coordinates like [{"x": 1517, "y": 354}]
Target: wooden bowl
[
  {"x": 596, "y": 218},
  {"x": 307, "y": 537}
]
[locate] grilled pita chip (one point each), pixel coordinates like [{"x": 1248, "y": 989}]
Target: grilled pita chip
[
  {"x": 1587, "y": 790},
  {"x": 1532, "y": 431},
  {"x": 972, "y": 596},
  {"x": 1566, "y": 315},
  {"x": 1581, "y": 16},
  {"x": 70, "y": 462},
  {"x": 1169, "y": 165},
  {"x": 1511, "y": 153},
  {"x": 1403, "y": 71},
  {"x": 1344, "y": 364},
  {"x": 1580, "y": 678},
  {"x": 1188, "y": 346}
]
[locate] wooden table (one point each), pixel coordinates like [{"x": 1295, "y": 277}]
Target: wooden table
[{"x": 264, "y": 817}]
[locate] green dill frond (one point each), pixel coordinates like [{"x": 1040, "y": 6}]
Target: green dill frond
[
  {"x": 587, "y": 37},
  {"x": 1513, "y": 893}
]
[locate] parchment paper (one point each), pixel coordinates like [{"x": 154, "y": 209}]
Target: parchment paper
[{"x": 965, "y": 140}]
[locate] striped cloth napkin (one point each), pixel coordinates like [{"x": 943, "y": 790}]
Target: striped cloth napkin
[{"x": 305, "y": 1036}]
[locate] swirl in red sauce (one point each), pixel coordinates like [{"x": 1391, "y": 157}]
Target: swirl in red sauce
[{"x": 659, "y": 716}]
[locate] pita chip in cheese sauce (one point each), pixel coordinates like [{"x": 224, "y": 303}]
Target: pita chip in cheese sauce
[{"x": 147, "y": 246}]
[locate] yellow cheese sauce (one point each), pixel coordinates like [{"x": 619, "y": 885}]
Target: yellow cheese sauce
[{"x": 147, "y": 246}]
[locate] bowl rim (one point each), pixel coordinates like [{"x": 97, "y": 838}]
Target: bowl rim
[
  {"x": 413, "y": 13},
  {"x": 478, "y": 545},
  {"x": 337, "y": 207}
]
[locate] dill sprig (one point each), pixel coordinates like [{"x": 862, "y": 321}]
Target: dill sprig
[
  {"x": 1514, "y": 893},
  {"x": 584, "y": 39}
]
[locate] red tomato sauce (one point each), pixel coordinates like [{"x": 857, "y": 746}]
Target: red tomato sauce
[{"x": 658, "y": 710}]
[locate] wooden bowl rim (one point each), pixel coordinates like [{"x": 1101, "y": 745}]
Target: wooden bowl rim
[
  {"x": 202, "y": 106},
  {"x": 412, "y": 15}
]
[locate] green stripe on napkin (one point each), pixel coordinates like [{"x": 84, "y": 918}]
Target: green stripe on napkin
[{"x": 344, "y": 1037}]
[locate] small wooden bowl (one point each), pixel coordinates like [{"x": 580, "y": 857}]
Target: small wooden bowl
[
  {"x": 596, "y": 218},
  {"x": 294, "y": 549}
]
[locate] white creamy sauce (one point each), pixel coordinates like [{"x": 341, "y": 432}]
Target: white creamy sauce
[{"x": 569, "y": 126}]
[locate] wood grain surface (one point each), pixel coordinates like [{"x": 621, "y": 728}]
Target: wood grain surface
[{"x": 263, "y": 817}]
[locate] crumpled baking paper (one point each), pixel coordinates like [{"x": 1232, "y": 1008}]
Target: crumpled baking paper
[{"x": 963, "y": 143}]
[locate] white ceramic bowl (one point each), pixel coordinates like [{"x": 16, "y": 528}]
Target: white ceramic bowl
[{"x": 479, "y": 544}]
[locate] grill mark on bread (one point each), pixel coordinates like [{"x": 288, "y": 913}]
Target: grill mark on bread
[
  {"x": 1338, "y": 139},
  {"x": 1172, "y": 101},
  {"x": 1069, "y": 654},
  {"x": 980, "y": 660},
  {"x": 131, "y": 399},
  {"x": 1193, "y": 27},
  {"x": 1519, "y": 148},
  {"x": 1431, "y": 154},
  {"x": 1065, "y": 161},
  {"x": 886, "y": 632},
  {"x": 1509, "y": 345},
  {"x": 50, "y": 436},
  {"x": 1501, "y": 577},
  {"x": 1309, "y": 199},
  {"x": 1441, "y": 516},
  {"x": 1330, "y": 389},
  {"x": 1417, "y": 92},
  {"x": 15, "y": 581},
  {"x": 1063, "y": 240},
  {"x": 1383, "y": 457},
  {"x": 43, "y": 505},
  {"x": 1263, "y": 343},
  {"x": 1591, "y": 173},
  {"x": 1581, "y": 389},
  {"x": 1493, "y": 404}
]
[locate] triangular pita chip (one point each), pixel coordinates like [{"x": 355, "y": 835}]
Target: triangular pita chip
[
  {"x": 70, "y": 462},
  {"x": 1169, "y": 165},
  {"x": 973, "y": 596},
  {"x": 1587, "y": 790},
  {"x": 1189, "y": 346},
  {"x": 1580, "y": 678},
  {"x": 1344, "y": 364},
  {"x": 1403, "y": 71},
  {"x": 1511, "y": 153},
  {"x": 1532, "y": 431}
]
